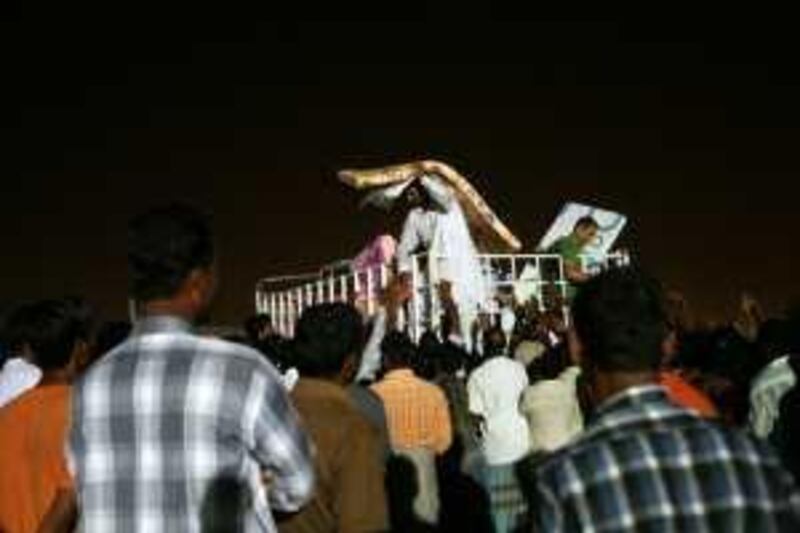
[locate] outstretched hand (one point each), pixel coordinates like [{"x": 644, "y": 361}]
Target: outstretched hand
[{"x": 397, "y": 291}]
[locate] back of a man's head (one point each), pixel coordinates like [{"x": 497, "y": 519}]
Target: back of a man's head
[
  {"x": 256, "y": 327},
  {"x": 165, "y": 245},
  {"x": 586, "y": 222},
  {"x": 325, "y": 337},
  {"x": 494, "y": 342},
  {"x": 56, "y": 327},
  {"x": 109, "y": 336},
  {"x": 620, "y": 321},
  {"x": 398, "y": 351},
  {"x": 17, "y": 330}
]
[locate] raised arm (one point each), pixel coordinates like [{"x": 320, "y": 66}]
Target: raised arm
[
  {"x": 371, "y": 357},
  {"x": 439, "y": 192}
]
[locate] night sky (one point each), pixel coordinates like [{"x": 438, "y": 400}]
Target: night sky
[{"x": 690, "y": 128}]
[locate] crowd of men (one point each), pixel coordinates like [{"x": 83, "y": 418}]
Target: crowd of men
[{"x": 633, "y": 419}]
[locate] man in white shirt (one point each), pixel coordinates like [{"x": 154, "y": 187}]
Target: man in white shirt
[
  {"x": 18, "y": 374},
  {"x": 436, "y": 224},
  {"x": 494, "y": 390}
]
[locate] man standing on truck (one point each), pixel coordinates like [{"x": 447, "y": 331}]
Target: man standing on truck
[
  {"x": 570, "y": 249},
  {"x": 436, "y": 224}
]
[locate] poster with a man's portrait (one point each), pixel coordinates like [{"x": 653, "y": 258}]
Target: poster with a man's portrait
[{"x": 611, "y": 225}]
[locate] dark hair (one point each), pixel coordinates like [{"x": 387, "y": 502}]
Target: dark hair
[
  {"x": 277, "y": 350},
  {"x": 429, "y": 344},
  {"x": 325, "y": 336},
  {"x": 164, "y": 245},
  {"x": 109, "y": 336},
  {"x": 397, "y": 350},
  {"x": 451, "y": 358},
  {"x": 774, "y": 340},
  {"x": 695, "y": 349},
  {"x": 732, "y": 357},
  {"x": 587, "y": 221},
  {"x": 494, "y": 342},
  {"x": 56, "y": 326},
  {"x": 549, "y": 365},
  {"x": 428, "y": 351},
  {"x": 17, "y": 329},
  {"x": 254, "y": 324},
  {"x": 416, "y": 185},
  {"x": 620, "y": 320}
]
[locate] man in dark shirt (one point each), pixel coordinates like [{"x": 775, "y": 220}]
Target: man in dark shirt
[{"x": 349, "y": 461}]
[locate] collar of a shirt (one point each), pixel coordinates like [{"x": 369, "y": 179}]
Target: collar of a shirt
[
  {"x": 400, "y": 373},
  {"x": 632, "y": 397},
  {"x": 162, "y": 324},
  {"x": 320, "y": 388}
]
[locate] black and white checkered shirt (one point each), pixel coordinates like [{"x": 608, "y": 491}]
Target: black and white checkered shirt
[
  {"x": 644, "y": 464},
  {"x": 171, "y": 432}
]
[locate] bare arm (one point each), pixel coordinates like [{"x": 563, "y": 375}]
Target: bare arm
[
  {"x": 575, "y": 273},
  {"x": 371, "y": 356}
]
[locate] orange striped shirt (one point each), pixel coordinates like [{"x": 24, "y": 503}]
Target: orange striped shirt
[{"x": 416, "y": 411}]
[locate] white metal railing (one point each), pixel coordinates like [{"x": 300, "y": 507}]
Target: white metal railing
[{"x": 285, "y": 297}]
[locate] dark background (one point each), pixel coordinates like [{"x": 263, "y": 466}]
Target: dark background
[{"x": 686, "y": 124}]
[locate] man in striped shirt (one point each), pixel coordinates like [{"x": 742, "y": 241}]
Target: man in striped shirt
[
  {"x": 177, "y": 432},
  {"x": 418, "y": 417},
  {"x": 644, "y": 463},
  {"x": 416, "y": 410}
]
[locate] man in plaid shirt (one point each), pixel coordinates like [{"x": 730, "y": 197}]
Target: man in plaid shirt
[
  {"x": 644, "y": 464},
  {"x": 177, "y": 432}
]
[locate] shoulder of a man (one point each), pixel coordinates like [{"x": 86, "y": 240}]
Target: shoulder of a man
[
  {"x": 497, "y": 367},
  {"x": 234, "y": 351},
  {"x": 741, "y": 446},
  {"x": 546, "y": 390},
  {"x": 567, "y": 247},
  {"x": 356, "y": 426},
  {"x": 427, "y": 390},
  {"x": 776, "y": 374},
  {"x": 558, "y": 245},
  {"x": 240, "y": 362},
  {"x": 244, "y": 366},
  {"x": 429, "y": 386},
  {"x": 550, "y": 471},
  {"x": 711, "y": 437}
]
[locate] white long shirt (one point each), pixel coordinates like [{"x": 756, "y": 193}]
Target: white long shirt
[
  {"x": 445, "y": 234},
  {"x": 494, "y": 390},
  {"x": 426, "y": 228}
]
